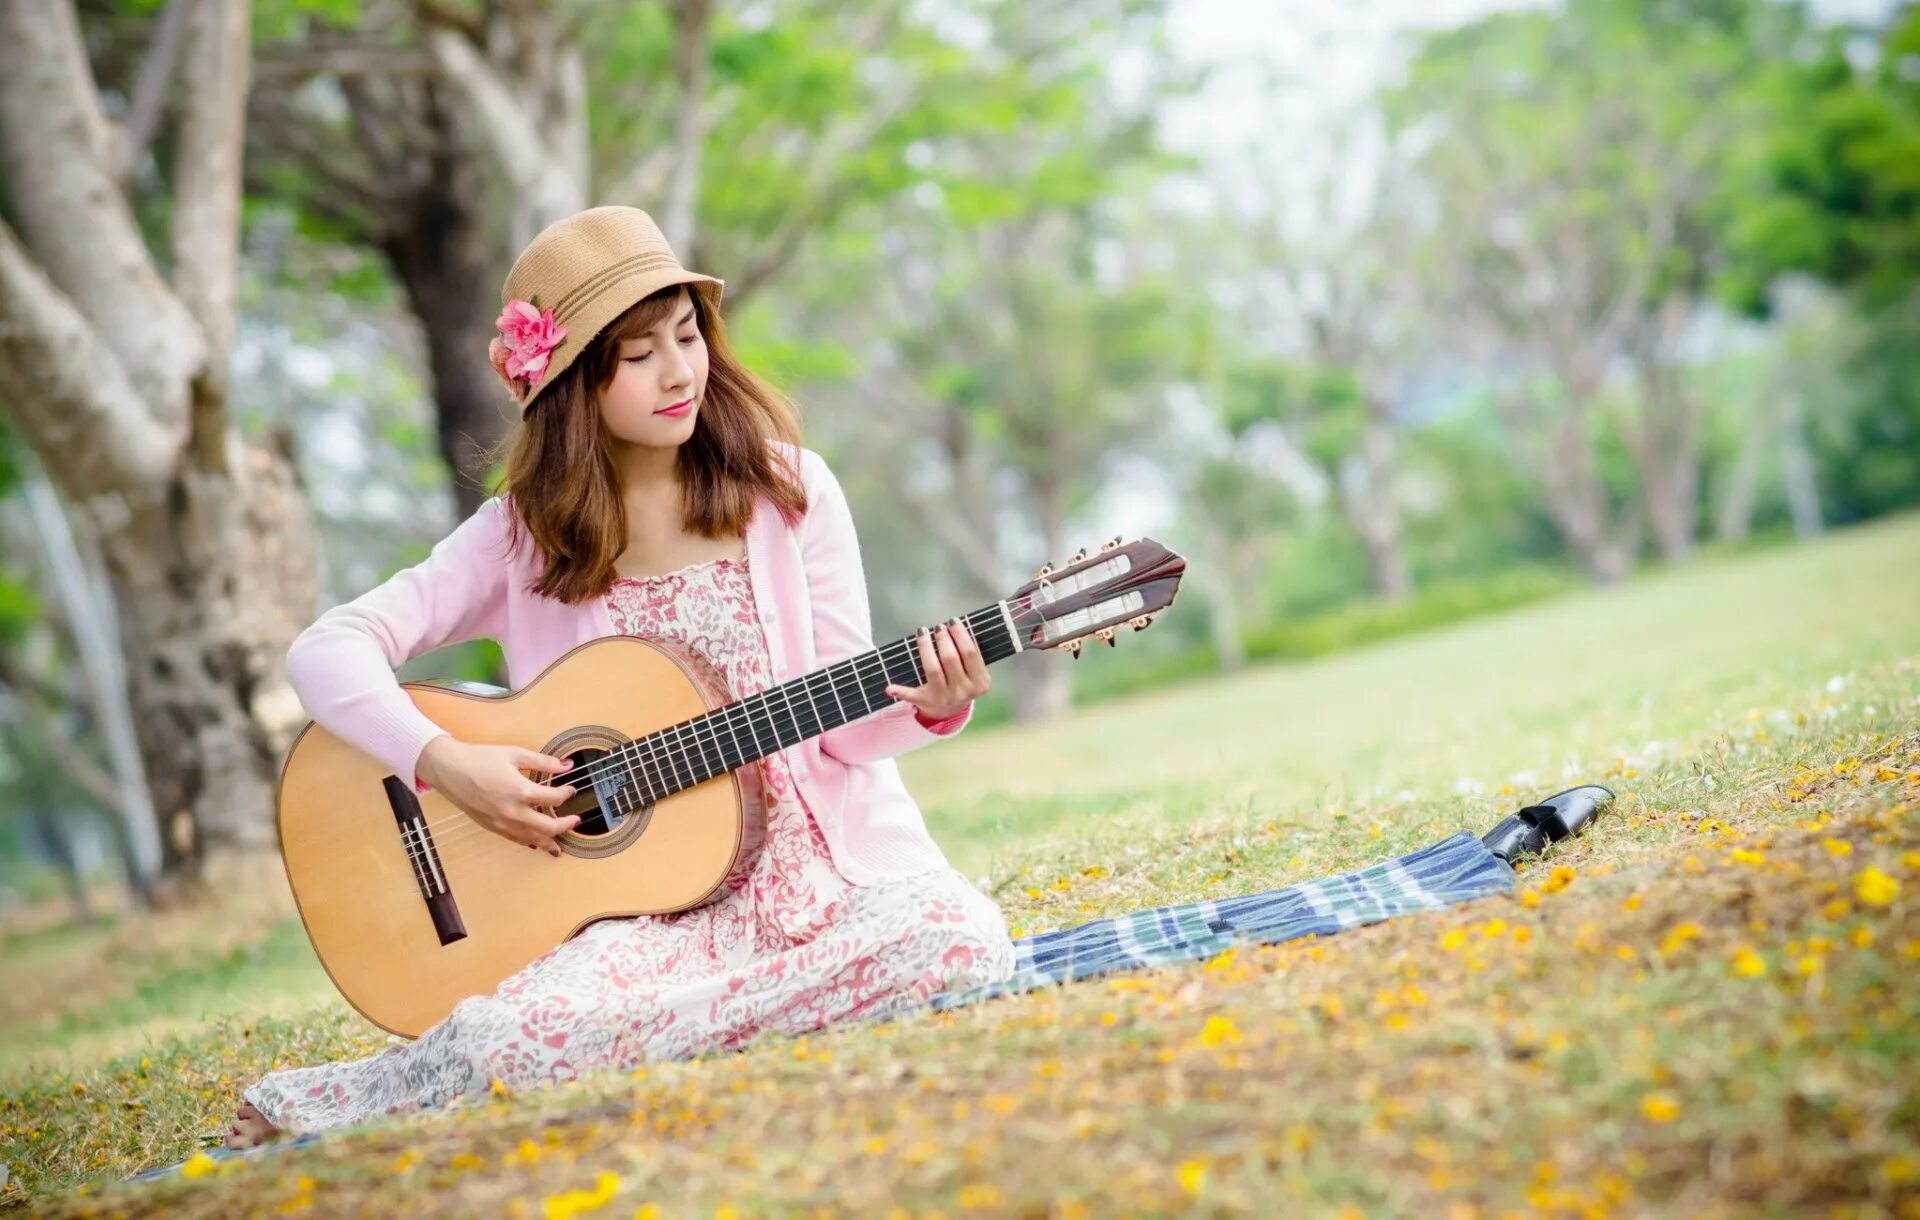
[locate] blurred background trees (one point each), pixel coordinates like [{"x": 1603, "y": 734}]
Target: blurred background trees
[{"x": 1561, "y": 292}]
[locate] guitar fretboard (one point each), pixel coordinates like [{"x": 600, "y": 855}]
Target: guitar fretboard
[{"x": 694, "y": 751}]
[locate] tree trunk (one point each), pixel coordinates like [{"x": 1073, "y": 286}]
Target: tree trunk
[
  {"x": 1223, "y": 605},
  {"x": 212, "y": 582},
  {"x": 92, "y": 621},
  {"x": 447, "y": 261},
  {"x": 1365, "y": 480},
  {"x": 56, "y": 840},
  {"x": 1740, "y": 490},
  {"x": 207, "y": 542},
  {"x": 1041, "y": 684},
  {"x": 1670, "y": 489},
  {"x": 1796, "y": 465}
]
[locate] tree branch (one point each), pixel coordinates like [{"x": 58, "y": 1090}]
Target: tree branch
[
  {"x": 694, "y": 19},
  {"x": 206, "y": 206},
  {"x": 61, "y": 191},
  {"x": 149, "y": 99},
  {"x": 544, "y": 186},
  {"x": 68, "y": 394},
  {"x": 282, "y": 66}
]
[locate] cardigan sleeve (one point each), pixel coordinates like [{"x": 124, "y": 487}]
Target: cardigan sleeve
[
  {"x": 843, "y": 622},
  {"x": 342, "y": 665}
]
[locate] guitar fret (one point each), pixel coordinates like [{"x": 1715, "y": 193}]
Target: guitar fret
[{"x": 682, "y": 755}]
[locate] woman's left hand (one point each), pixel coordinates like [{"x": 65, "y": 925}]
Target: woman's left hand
[{"x": 956, "y": 673}]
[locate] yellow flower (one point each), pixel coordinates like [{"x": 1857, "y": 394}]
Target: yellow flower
[
  {"x": 976, "y": 1195},
  {"x": 1678, "y": 938},
  {"x": 1752, "y": 859},
  {"x": 497, "y": 1088},
  {"x": 199, "y": 1166},
  {"x": 1837, "y": 847},
  {"x": 1875, "y": 888},
  {"x": 575, "y": 1202},
  {"x": 1193, "y": 1176},
  {"x": 1660, "y": 1107},
  {"x": 1748, "y": 964},
  {"x": 1219, "y": 1030},
  {"x": 1454, "y": 938},
  {"x": 1897, "y": 1169}
]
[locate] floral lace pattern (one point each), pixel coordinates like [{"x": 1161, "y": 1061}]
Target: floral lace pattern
[{"x": 789, "y": 947}]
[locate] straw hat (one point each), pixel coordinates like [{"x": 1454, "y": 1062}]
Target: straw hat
[{"x": 576, "y": 276}]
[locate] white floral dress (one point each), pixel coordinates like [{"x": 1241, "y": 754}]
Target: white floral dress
[{"x": 791, "y": 945}]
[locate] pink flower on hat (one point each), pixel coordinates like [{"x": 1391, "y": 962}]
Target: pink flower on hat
[{"x": 530, "y": 337}]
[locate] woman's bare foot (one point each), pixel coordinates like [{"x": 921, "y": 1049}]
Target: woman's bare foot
[{"x": 250, "y": 1127}]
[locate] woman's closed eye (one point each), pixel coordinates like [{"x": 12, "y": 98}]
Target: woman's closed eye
[{"x": 685, "y": 340}]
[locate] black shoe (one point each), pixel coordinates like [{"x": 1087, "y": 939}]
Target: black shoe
[{"x": 1527, "y": 832}]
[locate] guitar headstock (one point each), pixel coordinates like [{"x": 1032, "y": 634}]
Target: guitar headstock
[{"x": 1123, "y": 584}]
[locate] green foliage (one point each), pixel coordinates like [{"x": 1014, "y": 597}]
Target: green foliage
[{"x": 1835, "y": 188}]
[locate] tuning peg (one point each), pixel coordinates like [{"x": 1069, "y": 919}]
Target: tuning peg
[
  {"x": 1046, "y": 570},
  {"x": 1078, "y": 555},
  {"x": 1108, "y": 546},
  {"x": 1106, "y": 633},
  {"x": 1140, "y": 623},
  {"x": 1073, "y": 648}
]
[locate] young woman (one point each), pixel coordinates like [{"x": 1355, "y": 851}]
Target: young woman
[{"x": 655, "y": 488}]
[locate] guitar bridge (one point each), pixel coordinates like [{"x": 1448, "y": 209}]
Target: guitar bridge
[{"x": 417, "y": 837}]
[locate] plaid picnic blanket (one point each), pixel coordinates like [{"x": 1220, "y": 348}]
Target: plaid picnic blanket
[{"x": 1454, "y": 870}]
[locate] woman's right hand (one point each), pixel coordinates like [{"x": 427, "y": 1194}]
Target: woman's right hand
[{"x": 486, "y": 783}]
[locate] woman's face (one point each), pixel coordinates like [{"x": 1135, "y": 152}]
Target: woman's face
[{"x": 659, "y": 382}]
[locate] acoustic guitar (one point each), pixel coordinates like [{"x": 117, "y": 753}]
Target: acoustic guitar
[{"x": 413, "y": 906}]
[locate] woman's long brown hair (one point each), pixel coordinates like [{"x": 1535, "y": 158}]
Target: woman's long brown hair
[{"x": 560, "y": 476}]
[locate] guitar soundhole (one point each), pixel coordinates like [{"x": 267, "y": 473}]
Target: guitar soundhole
[{"x": 609, "y": 802}]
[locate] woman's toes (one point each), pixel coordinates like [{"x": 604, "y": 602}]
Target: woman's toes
[{"x": 250, "y": 1127}]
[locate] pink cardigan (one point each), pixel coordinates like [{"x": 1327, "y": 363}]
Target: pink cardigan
[{"x": 811, "y": 592}]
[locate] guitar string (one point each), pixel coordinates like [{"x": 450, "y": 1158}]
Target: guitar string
[
  {"x": 667, "y": 759},
  {"x": 683, "y": 755},
  {"x": 695, "y": 755},
  {"x": 680, "y": 750}
]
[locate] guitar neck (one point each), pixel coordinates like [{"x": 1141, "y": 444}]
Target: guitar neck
[{"x": 691, "y": 752}]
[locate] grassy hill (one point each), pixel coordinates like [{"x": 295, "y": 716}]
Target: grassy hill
[{"x": 1706, "y": 1006}]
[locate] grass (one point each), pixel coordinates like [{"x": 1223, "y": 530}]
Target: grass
[{"x": 1705, "y": 1007}]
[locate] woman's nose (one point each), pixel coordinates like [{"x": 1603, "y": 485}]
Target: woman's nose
[{"x": 679, "y": 370}]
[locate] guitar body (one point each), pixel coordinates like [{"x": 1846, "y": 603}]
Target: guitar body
[{"x": 408, "y": 920}]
